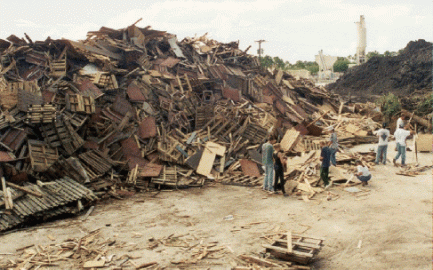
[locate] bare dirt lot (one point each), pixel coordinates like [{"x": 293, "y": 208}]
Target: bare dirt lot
[{"x": 388, "y": 228}]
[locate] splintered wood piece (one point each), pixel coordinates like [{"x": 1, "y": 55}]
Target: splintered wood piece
[
  {"x": 289, "y": 241},
  {"x": 290, "y": 139}
]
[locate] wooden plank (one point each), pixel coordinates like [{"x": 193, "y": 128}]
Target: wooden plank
[
  {"x": 289, "y": 139},
  {"x": 289, "y": 242},
  {"x": 424, "y": 142}
]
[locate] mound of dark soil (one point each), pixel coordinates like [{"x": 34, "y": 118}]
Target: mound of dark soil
[{"x": 401, "y": 75}]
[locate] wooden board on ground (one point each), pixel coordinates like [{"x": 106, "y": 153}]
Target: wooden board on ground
[{"x": 336, "y": 173}]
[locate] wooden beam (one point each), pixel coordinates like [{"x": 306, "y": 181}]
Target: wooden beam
[{"x": 26, "y": 190}]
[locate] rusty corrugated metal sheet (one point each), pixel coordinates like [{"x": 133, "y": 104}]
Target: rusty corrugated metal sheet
[
  {"x": 150, "y": 170},
  {"x": 122, "y": 106},
  {"x": 232, "y": 94},
  {"x": 6, "y": 156},
  {"x": 169, "y": 62},
  {"x": 249, "y": 168},
  {"x": 87, "y": 88},
  {"x": 130, "y": 147},
  {"x": 14, "y": 138},
  {"x": 134, "y": 93},
  {"x": 147, "y": 128}
]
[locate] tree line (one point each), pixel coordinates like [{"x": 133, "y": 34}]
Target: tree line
[{"x": 341, "y": 65}]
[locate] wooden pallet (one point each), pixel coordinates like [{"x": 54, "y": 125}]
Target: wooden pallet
[
  {"x": 303, "y": 248},
  {"x": 41, "y": 155},
  {"x": 168, "y": 176},
  {"x": 37, "y": 114},
  {"x": 76, "y": 120},
  {"x": 58, "y": 68},
  {"x": 79, "y": 103},
  {"x": 61, "y": 133},
  {"x": 96, "y": 162},
  {"x": 169, "y": 150},
  {"x": 106, "y": 81},
  {"x": 310, "y": 144},
  {"x": 255, "y": 133},
  {"x": 241, "y": 180}
]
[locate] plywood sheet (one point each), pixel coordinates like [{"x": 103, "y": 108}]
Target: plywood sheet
[
  {"x": 290, "y": 138},
  {"x": 208, "y": 157},
  {"x": 424, "y": 142}
]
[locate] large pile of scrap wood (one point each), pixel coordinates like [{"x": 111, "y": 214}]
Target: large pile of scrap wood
[{"x": 136, "y": 108}]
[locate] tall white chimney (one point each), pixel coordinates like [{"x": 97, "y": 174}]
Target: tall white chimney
[{"x": 362, "y": 40}]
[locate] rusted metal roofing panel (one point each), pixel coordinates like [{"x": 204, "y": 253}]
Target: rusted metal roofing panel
[
  {"x": 300, "y": 111},
  {"x": 130, "y": 147},
  {"x": 6, "y": 156},
  {"x": 25, "y": 99},
  {"x": 133, "y": 161},
  {"x": 281, "y": 107},
  {"x": 122, "y": 106},
  {"x": 249, "y": 168},
  {"x": 87, "y": 88},
  {"x": 147, "y": 128},
  {"x": 14, "y": 138},
  {"x": 150, "y": 170},
  {"x": 231, "y": 93},
  {"x": 134, "y": 93},
  {"x": 170, "y": 62},
  {"x": 48, "y": 96},
  {"x": 36, "y": 58}
]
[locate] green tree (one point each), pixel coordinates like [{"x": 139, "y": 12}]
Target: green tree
[
  {"x": 279, "y": 63},
  {"x": 372, "y": 54},
  {"x": 341, "y": 65},
  {"x": 267, "y": 61}
]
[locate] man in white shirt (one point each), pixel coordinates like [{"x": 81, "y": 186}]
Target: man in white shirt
[
  {"x": 363, "y": 173},
  {"x": 382, "y": 147},
  {"x": 400, "y": 136}
]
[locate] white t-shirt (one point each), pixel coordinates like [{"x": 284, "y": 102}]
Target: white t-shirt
[
  {"x": 401, "y": 135},
  {"x": 399, "y": 122},
  {"x": 383, "y": 135},
  {"x": 364, "y": 170}
]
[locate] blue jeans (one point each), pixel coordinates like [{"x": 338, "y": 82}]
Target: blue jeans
[
  {"x": 269, "y": 177},
  {"x": 381, "y": 153},
  {"x": 333, "y": 159},
  {"x": 401, "y": 152},
  {"x": 363, "y": 178}
]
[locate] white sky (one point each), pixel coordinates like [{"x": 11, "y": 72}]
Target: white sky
[{"x": 294, "y": 29}]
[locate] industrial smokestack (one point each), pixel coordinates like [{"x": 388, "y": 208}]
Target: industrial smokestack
[{"x": 362, "y": 40}]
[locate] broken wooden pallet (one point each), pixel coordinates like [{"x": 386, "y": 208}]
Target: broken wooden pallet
[
  {"x": 244, "y": 180},
  {"x": 37, "y": 114},
  {"x": 41, "y": 155},
  {"x": 299, "y": 248},
  {"x": 61, "y": 133}
]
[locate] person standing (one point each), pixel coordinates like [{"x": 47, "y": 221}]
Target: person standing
[
  {"x": 363, "y": 173},
  {"x": 325, "y": 157},
  {"x": 401, "y": 135},
  {"x": 279, "y": 161},
  {"x": 267, "y": 151},
  {"x": 334, "y": 146},
  {"x": 382, "y": 147}
]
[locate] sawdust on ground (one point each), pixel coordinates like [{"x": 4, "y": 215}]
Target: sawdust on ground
[{"x": 390, "y": 227}]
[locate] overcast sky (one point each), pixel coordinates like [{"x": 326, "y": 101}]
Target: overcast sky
[{"x": 294, "y": 29}]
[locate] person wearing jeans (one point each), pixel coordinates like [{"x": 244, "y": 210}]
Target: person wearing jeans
[
  {"x": 401, "y": 135},
  {"x": 382, "y": 147},
  {"x": 363, "y": 174},
  {"x": 267, "y": 161}
]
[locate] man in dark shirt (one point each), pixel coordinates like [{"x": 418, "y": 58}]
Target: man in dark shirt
[{"x": 325, "y": 157}]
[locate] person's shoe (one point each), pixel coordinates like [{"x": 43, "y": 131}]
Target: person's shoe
[
  {"x": 394, "y": 161},
  {"x": 384, "y": 163},
  {"x": 328, "y": 186},
  {"x": 364, "y": 183},
  {"x": 377, "y": 163},
  {"x": 285, "y": 195}
]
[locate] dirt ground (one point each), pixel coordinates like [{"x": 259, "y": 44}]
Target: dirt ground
[{"x": 389, "y": 228}]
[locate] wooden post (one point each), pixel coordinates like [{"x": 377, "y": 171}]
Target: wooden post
[
  {"x": 6, "y": 194},
  {"x": 289, "y": 242}
]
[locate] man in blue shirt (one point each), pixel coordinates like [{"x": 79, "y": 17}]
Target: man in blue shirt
[
  {"x": 325, "y": 157},
  {"x": 267, "y": 160}
]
